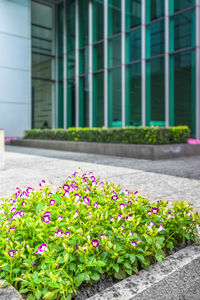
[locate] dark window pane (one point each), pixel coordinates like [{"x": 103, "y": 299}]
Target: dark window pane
[
  {"x": 176, "y": 5},
  {"x": 98, "y": 55},
  {"x": 41, "y": 66},
  {"x": 114, "y": 98},
  {"x": 182, "y": 30},
  {"x": 60, "y": 105},
  {"x": 71, "y": 104},
  {"x": 83, "y": 61},
  {"x": 155, "y": 39},
  {"x": 155, "y": 92},
  {"x": 98, "y": 20},
  {"x": 70, "y": 25},
  {"x": 60, "y": 29},
  {"x": 154, "y": 9},
  {"x": 98, "y": 100},
  {"x": 60, "y": 68},
  {"x": 133, "y": 95},
  {"x": 133, "y": 45},
  {"x": 114, "y": 17},
  {"x": 133, "y": 13},
  {"x": 71, "y": 64},
  {"x": 83, "y": 102},
  {"x": 83, "y": 23},
  {"x": 114, "y": 51}
]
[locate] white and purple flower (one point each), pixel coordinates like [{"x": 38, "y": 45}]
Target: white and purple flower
[
  {"x": 52, "y": 202},
  {"x": 11, "y": 253},
  {"x": 95, "y": 243}
]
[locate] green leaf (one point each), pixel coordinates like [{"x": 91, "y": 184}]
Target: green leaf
[
  {"x": 80, "y": 278},
  {"x": 120, "y": 275},
  {"x": 72, "y": 266},
  {"x": 159, "y": 258},
  {"x": 50, "y": 295},
  {"x": 56, "y": 197},
  {"x": 95, "y": 276},
  {"x": 101, "y": 263},
  {"x": 133, "y": 258},
  {"x": 39, "y": 207},
  {"x": 38, "y": 294},
  {"x": 127, "y": 266},
  {"x": 148, "y": 239},
  {"x": 115, "y": 267},
  {"x": 23, "y": 291}
]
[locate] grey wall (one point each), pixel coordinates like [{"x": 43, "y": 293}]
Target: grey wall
[{"x": 15, "y": 67}]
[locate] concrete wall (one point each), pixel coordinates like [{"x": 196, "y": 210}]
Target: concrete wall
[{"x": 15, "y": 67}]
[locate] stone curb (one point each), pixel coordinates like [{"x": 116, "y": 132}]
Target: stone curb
[
  {"x": 178, "y": 277},
  {"x": 149, "y": 152},
  {"x": 8, "y": 292}
]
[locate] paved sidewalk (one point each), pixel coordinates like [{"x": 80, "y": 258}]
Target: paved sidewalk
[{"x": 27, "y": 167}]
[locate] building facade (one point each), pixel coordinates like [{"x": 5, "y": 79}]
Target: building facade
[{"x": 94, "y": 63}]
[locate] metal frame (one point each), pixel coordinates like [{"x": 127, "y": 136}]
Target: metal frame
[
  {"x": 56, "y": 66},
  {"x": 106, "y": 63},
  {"x": 90, "y": 75},
  {"x": 167, "y": 63},
  {"x": 64, "y": 67},
  {"x": 197, "y": 71},
  {"x": 123, "y": 62},
  {"x": 143, "y": 64},
  {"x": 77, "y": 60}
]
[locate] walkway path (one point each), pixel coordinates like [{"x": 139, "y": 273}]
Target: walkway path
[{"x": 170, "y": 180}]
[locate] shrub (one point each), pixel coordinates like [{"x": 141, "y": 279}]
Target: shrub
[
  {"x": 127, "y": 135},
  {"x": 51, "y": 243}
]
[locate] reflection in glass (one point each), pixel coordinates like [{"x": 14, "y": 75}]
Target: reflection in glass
[
  {"x": 98, "y": 20},
  {"x": 71, "y": 103},
  {"x": 71, "y": 25},
  {"x": 98, "y": 55},
  {"x": 41, "y": 66},
  {"x": 83, "y": 23},
  {"x": 98, "y": 100},
  {"x": 114, "y": 51},
  {"x": 114, "y": 17},
  {"x": 71, "y": 64},
  {"x": 154, "y": 9},
  {"x": 83, "y": 102},
  {"x": 84, "y": 60},
  {"x": 176, "y": 5},
  {"x": 133, "y": 45},
  {"x": 133, "y": 13},
  {"x": 155, "y": 38}
]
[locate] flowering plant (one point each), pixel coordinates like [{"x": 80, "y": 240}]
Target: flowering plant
[{"x": 51, "y": 243}]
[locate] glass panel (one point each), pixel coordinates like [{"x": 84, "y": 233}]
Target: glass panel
[
  {"x": 154, "y": 9},
  {"x": 133, "y": 95},
  {"x": 182, "y": 89},
  {"x": 114, "y": 51},
  {"x": 42, "y": 92},
  {"x": 71, "y": 104},
  {"x": 155, "y": 92},
  {"x": 71, "y": 25},
  {"x": 60, "y": 29},
  {"x": 83, "y": 61},
  {"x": 98, "y": 21},
  {"x": 133, "y": 45},
  {"x": 60, "y": 68},
  {"x": 71, "y": 64},
  {"x": 60, "y": 105},
  {"x": 41, "y": 45},
  {"x": 41, "y": 66},
  {"x": 176, "y": 5},
  {"x": 114, "y": 17},
  {"x": 83, "y": 23},
  {"x": 155, "y": 39},
  {"x": 133, "y": 13},
  {"x": 114, "y": 98},
  {"x": 98, "y": 57},
  {"x": 98, "y": 100},
  {"x": 83, "y": 102},
  {"x": 182, "y": 30},
  {"x": 41, "y": 15}
]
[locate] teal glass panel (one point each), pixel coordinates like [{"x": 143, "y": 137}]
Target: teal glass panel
[
  {"x": 154, "y": 9},
  {"x": 133, "y": 95},
  {"x": 133, "y": 13},
  {"x": 71, "y": 64},
  {"x": 114, "y": 17},
  {"x": 176, "y": 5},
  {"x": 98, "y": 99},
  {"x": 155, "y": 91},
  {"x": 114, "y": 51},
  {"x": 114, "y": 98},
  {"x": 182, "y": 89},
  {"x": 71, "y": 25},
  {"x": 182, "y": 30},
  {"x": 155, "y": 38},
  {"x": 71, "y": 103},
  {"x": 133, "y": 45},
  {"x": 83, "y": 61},
  {"x": 60, "y": 68},
  {"x": 60, "y": 29},
  {"x": 98, "y": 56},
  {"x": 83, "y": 22},
  {"x": 60, "y": 105},
  {"x": 98, "y": 20},
  {"x": 42, "y": 66},
  {"x": 83, "y": 102}
]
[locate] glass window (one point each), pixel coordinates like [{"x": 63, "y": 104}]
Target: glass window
[
  {"x": 114, "y": 17},
  {"x": 133, "y": 45},
  {"x": 133, "y": 95},
  {"x": 83, "y": 102},
  {"x": 83, "y": 60},
  {"x": 98, "y": 56},
  {"x": 70, "y": 25},
  {"x": 176, "y": 5},
  {"x": 155, "y": 92},
  {"x": 154, "y": 9},
  {"x": 60, "y": 68},
  {"x": 83, "y": 22},
  {"x": 133, "y": 13},
  {"x": 114, "y": 98},
  {"x": 182, "y": 89},
  {"x": 71, "y": 103},
  {"x": 155, "y": 39},
  {"x": 98, "y": 20},
  {"x": 98, "y": 99},
  {"x": 71, "y": 64},
  {"x": 60, "y": 105},
  {"x": 60, "y": 29},
  {"x": 42, "y": 66},
  {"x": 182, "y": 30},
  {"x": 114, "y": 51}
]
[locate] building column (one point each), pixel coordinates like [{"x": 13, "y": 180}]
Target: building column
[
  {"x": 77, "y": 61},
  {"x": 123, "y": 61},
  {"x": 166, "y": 62},
  {"x": 90, "y": 76},
  {"x": 106, "y": 63},
  {"x": 64, "y": 66},
  {"x": 197, "y": 66},
  {"x": 143, "y": 64}
]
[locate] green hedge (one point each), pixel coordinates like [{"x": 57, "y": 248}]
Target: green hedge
[{"x": 127, "y": 135}]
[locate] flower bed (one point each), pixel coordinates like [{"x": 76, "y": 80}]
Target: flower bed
[{"x": 50, "y": 244}]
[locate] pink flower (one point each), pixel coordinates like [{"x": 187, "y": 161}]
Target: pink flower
[
  {"x": 155, "y": 210},
  {"x": 96, "y": 205},
  {"x": 59, "y": 233},
  {"x": 136, "y": 192},
  {"x": 11, "y": 253},
  {"x": 68, "y": 233},
  {"x": 52, "y": 202},
  {"x": 46, "y": 218},
  {"x": 134, "y": 243},
  {"x": 114, "y": 197},
  {"x": 41, "y": 249},
  {"x": 60, "y": 218},
  {"x": 86, "y": 200},
  {"x": 161, "y": 228},
  {"x": 95, "y": 243}
]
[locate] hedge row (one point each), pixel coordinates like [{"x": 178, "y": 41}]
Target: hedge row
[{"x": 127, "y": 135}]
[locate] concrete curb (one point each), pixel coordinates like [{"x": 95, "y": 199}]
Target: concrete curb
[
  {"x": 150, "y": 152},
  {"x": 178, "y": 277},
  {"x": 9, "y": 293}
]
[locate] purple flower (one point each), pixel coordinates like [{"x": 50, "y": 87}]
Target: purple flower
[
  {"x": 161, "y": 228},
  {"x": 41, "y": 249},
  {"x": 10, "y": 228},
  {"x": 50, "y": 194},
  {"x": 52, "y": 202},
  {"x": 21, "y": 213},
  {"x": 114, "y": 197},
  {"x": 120, "y": 217},
  {"x": 85, "y": 179},
  {"x": 47, "y": 213},
  {"x": 76, "y": 214},
  {"x": 90, "y": 174},
  {"x": 131, "y": 233},
  {"x": 95, "y": 243},
  {"x": 66, "y": 194},
  {"x": 74, "y": 174},
  {"x": 155, "y": 210},
  {"x": 11, "y": 253},
  {"x": 126, "y": 192},
  {"x": 94, "y": 183},
  {"x": 129, "y": 217},
  {"x": 24, "y": 203},
  {"x": 102, "y": 236},
  {"x": 122, "y": 228},
  {"x": 59, "y": 233},
  {"x": 60, "y": 218},
  {"x": 86, "y": 200},
  {"x": 42, "y": 183},
  {"x": 46, "y": 218},
  {"x": 134, "y": 243},
  {"x": 149, "y": 212},
  {"x": 68, "y": 233},
  {"x": 76, "y": 247},
  {"x": 13, "y": 209},
  {"x": 66, "y": 187},
  {"x": 136, "y": 192},
  {"x": 96, "y": 205},
  {"x": 77, "y": 197},
  {"x": 101, "y": 183},
  {"x": 151, "y": 224},
  {"x": 84, "y": 249},
  {"x": 130, "y": 202},
  {"x": 89, "y": 215},
  {"x": 122, "y": 205},
  {"x": 111, "y": 219},
  {"x": 92, "y": 178},
  {"x": 76, "y": 188},
  {"x": 16, "y": 216}
]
